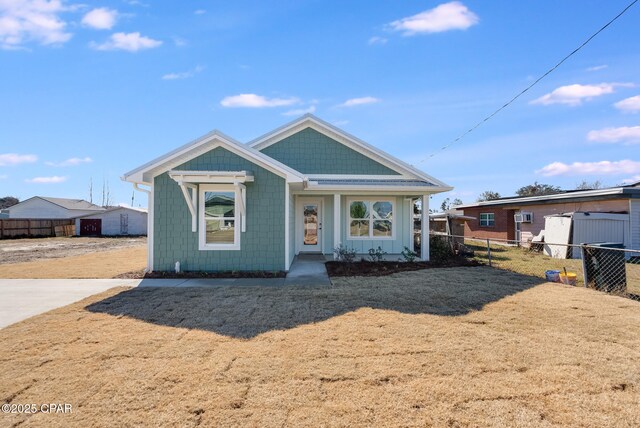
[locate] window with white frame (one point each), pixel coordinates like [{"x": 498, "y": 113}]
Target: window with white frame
[
  {"x": 371, "y": 219},
  {"x": 487, "y": 220},
  {"x": 219, "y": 217}
]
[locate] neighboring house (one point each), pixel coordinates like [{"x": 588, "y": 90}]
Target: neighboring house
[
  {"x": 113, "y": 221},
  {"x": 52, "y": 208},
  {"x": 522, "y": 218},
  {"x": 306, "y": 187}
]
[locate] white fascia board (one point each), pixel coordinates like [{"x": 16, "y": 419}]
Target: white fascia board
[
  {"x": 379, "y": 188},
  {"x": 314, "y": 177},
  {"x": 558, "y": 196},
  {"x": 309, "y": 120},
  {"x": 202, "y": 145}
]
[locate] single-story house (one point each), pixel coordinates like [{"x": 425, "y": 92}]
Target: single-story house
[
  {"x": 306, "y": 187},
  {"x": 44, "y": 207},
  {"x": 114, "y": 221},
  {"x": 519, "y": 219}
]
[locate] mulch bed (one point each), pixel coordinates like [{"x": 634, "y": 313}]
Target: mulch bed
[
  {"x": 221, "y": 274},
  {"x": 367, "y": 268}
]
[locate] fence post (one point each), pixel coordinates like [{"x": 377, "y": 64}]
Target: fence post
[
  {"x": 1, "y": 229},
  {"x": 585, "y": 276},
  {"x": 489, "y": 251}
]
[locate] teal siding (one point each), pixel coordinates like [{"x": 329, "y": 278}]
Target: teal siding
[
  {"x": 261, "y": 246},
  {"x": 311, "y": 152}
]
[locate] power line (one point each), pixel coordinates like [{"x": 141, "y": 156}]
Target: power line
[{"x": 551, "y": 70}]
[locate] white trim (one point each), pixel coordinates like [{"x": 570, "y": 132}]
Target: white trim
[
  {"x": 215, "y": 139},
  {"x": 202, "y": 245},
  {"x": 286, "y": 227},
  {"x": 347, "y": 187},
  {"x": 314, "y": 177},
  {"x": 371, "y": 200},
  {"x": 424, "y": 228},
  {"x": 336, "y": 222},
  {"x": 211, "y": 176},
  {"x": 317, "y": 124}
]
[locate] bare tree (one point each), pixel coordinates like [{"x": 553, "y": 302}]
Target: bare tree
[
  {"x": 590, "y": 185},
  {"x": 91, "y": 189}
]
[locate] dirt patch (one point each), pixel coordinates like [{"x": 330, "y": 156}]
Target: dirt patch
[
  {"x": 25, "y": 250},
  {"x": 90, "y": 264},
  {"x": 456, "y": 347},
  {"x": 368, "y": 268}
]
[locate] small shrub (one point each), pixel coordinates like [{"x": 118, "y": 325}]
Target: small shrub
[
  {"x": 345, "y": 254},
  {"x": 439, "y": 249},
  {"x": 408, "y": 255},
  {"x": 376, "y": 255}
]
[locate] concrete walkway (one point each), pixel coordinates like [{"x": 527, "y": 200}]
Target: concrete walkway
[
  {"x": 23, "y": 298},
  {"x": 308, "y": 269}
]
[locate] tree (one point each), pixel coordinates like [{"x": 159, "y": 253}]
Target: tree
[
  {"x": 446, "y": 205},
  {"x": 488, "y": 195},
  {"x": 538, "y": 189},
  {"x": 586, "y": 185},
  {"x": 8, "y": 201}
]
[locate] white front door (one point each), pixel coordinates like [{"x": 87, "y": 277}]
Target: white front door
[{"x": 309, "y": 221}]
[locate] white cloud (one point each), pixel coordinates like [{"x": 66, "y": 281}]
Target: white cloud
[
  {"x": 376, "y": 40},
  {"x": 575, "y": 94},
  {"x": 359, "y": 101},
  {"x": 3, "y": 176},
  {"x": 23, "y": 21},
  {"x": 629, "y": 105},
  {"x": 597, "y": 67},
  {"x": 199, "y": 12},
  {"x": 300, "y": 111},
  {"x": 71, "y": 162},
  {"x": 47, "y": 180},
  {"x": 447, "y": 16},
  {"x": 101, "y": 18},
  {"x": 8, "y": 159},
  {"x": 591, "y": 168},
  {"x": 623, "y": 134},
  {"x": 184, "y": 74},
  {"x": 131, "y": 42},
  {"x": 256, "y": 101},
  {"x": 631, "y": 180}
]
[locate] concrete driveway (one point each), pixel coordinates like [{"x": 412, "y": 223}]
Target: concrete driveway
[{"x": 23, "y": 298}]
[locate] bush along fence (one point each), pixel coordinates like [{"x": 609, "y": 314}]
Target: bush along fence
[
  {"x": 32, "y": 228},
  {"x": 606, "y": 267}
]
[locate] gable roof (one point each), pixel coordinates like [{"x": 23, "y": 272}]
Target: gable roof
[
  {"x": 69, "y": 204},
  {"x": 319, "y": 125},
  {"x": 145, "y": 173}
]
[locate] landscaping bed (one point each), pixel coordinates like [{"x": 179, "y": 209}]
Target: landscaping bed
[
  {"x": 186, "y": 275},
  {"x": 368, "y": 268}
]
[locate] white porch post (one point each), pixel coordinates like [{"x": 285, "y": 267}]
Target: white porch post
[
  {"x": 424, "y": 229},
  {"x": 336, "y": 221}
]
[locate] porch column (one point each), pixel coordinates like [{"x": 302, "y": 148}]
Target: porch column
[
  {"x": 424, "y": 228},
  {"x": 336, "y": 222}
]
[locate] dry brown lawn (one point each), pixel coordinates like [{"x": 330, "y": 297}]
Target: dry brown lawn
[
  {"x": 444, "y": 347},
  {"x": 96, "y": 264}
]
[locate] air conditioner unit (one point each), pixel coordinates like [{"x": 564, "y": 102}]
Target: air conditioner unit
[{"x": 523, "y": 217}]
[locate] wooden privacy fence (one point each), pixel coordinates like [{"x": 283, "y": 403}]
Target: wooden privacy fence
[{"x": 31, "y": 228}]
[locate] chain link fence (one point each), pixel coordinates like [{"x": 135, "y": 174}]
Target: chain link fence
[{"x": 605, "y": 267}]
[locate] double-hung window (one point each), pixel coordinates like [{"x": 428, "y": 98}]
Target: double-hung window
[
  {"x": 219, "y": 217},
  {"x": 371, "y": 219},
  {"x": 487, "y": 220}
]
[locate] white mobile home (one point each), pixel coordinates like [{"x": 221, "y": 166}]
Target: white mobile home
[{"x": 114, "y": 221}]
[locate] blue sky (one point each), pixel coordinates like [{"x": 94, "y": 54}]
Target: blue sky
[{"x": 94, "y": 89}]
